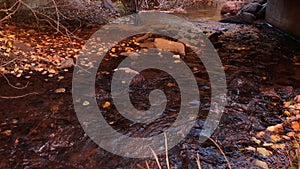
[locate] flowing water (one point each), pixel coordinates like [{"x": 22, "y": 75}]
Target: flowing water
[{"x": 262, "y": 70}]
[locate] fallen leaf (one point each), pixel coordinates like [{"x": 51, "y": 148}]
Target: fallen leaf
[
  {"x": 287, "y": 113},
  {"x": 106, "y": 105},
  {"x": 296, "y": 126},
  {"x": 278, "y": 146},
  {"x": 6, "y": 132},
  {"x": 256, "y": 140},
  {"x": 16, "y": 143},
  {"x": 276, "y": 129},
  {"x": 287, "y": 104},
  {"x": 86, "y": 103},
  {"x": 275, "y": 138},
  {"x": 60, "y": 90},
  {"x": 54, "y": 108},
  {"x": 264, "y": 151},
  {"x": 260, "y": 164}
]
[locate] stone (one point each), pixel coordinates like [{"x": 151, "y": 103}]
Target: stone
[
  {"x": 252, "y": 8},
  {"x": 248, "y": 14},
  {"x": 170, "y": 46},
  {"x": 232, "y": 7},
  {"x": 245, "y": 17}
]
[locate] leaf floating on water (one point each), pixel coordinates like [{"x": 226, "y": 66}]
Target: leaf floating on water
[
  {"x": 171, "y": 84},
  {"x": 60, "y": 90},
  {"x": 61, "y": 77},
  {"x": 106, "y": 105},
  {"x": 16, "y": 143},
  {"x": 6, "y": 132},
  {"x": 86, "y": 103},
  {"x": 14, "y": 121},
  {"x": 54, "y": 108}
]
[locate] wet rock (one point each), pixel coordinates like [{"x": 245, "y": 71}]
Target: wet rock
[
  {"x": 214, "y": 36},
  {"x": 109, "y": 5},
  {"x": 248, "y": 14},
  {"x": 170, "y": 46},
  {"x": 232, "y": 7},
  {"x": 244, "y": 17}
]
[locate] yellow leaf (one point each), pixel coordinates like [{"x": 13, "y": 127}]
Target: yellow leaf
[
  {"x": 275, "y": 138},
  {"x": 276, "y": 129},
  {"x": 260, "y": 164},
  {"x": 264, "y": 151},
  {"x": 296, "y": 126},
  {"x": 287, "y": 104},
  {"x": 170, "y": 84},
  {"x": 287, "y": 113},
  {"x": 6, "y": 132},
  {"x": 106, "y": 105},
  {"x": 278, "y": 146},
  {"x": 256, "y": 140}
]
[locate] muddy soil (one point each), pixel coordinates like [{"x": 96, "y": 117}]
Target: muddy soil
[{"x": 262, "y": 70}]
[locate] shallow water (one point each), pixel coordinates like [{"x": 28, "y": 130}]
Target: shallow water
[{"x": 260, "y": 72}]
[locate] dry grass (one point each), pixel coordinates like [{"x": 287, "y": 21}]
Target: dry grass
[{"x": 197, "y": 158}]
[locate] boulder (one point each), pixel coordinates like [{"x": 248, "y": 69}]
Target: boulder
[
  {"x": 232, "y": 7},
  {"x": 248, "y": 14},
  {"x": 170, "y": 46},
  {"x": 251, "y": 8}
]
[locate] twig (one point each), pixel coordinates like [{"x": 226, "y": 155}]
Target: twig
[
  {"x": 11, "y": 85},
  {"x": 18, "y": 3},
  {"x": 156, "y": 158},
  {"x": 17, "y": 97},
  {"x": 222, "y": 152},
  {"x": 57, "y": 15},
  {"x": 139, "y": 166},
  {"x": 166, "y": 147},
  {"x": 8, "y": 62},
  {"x": 198, "y": 161},
  {"x": 148, "y": 167}
]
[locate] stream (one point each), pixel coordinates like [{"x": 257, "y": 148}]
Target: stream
[{"x": 262, "y": 71}]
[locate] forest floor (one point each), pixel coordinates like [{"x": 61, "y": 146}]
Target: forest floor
[{"x": 39, "y": 127}]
